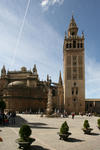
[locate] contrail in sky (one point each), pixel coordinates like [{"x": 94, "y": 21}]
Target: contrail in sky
[{"x": 19, "y": 34}]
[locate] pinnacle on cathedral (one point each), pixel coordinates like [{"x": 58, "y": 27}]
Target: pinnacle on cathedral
[
  {"x": 35, "y": 70},
  {"x": 60, "y": 79},
  {"x": 3, "y": 70}
]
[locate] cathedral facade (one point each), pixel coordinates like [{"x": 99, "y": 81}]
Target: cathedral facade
[{"x": 24, "y": 92}]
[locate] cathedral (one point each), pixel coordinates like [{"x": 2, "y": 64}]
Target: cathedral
[{"x": 23, "y": 91}]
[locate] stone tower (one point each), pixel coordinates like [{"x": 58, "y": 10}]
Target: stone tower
[{"x": 74, "y": 70}]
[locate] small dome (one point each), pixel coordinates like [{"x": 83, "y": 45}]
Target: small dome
[
  {"x": 24, "y": 69},
  {"x": 16, "y": 83}
]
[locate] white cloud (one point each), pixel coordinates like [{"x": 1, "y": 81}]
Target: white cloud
[{"x": 46, "y": 3}]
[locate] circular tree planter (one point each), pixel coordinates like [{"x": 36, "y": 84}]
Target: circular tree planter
[
  {"x": 86, "y": 127},
  {"x": 64, "y": 136},
  {"x": 24, "y": 144},
  {"x": 87, "y": 131},
  {"x": 25, "y": 141},
  {"x": 64, "y": 131}
]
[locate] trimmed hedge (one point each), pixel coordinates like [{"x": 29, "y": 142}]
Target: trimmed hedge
[
  {"x": 64, "y": 128},
  {"x": 25, "y": 131}
]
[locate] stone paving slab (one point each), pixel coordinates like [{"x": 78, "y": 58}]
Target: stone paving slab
[
  {"x": 44, "y": 130},
  {"x": 8, "y": 139}
]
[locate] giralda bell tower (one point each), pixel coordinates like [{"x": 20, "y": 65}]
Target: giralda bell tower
[{"x": 74, "y": 70}]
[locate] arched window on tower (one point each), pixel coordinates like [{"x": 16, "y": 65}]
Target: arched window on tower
[
  {"x": 74, "y": 44},
  {"x": 77, "y": 45},
  {"x": 53, "y": 92},
  {"x": 67, "y": 45},
  {"x": 81, "y": 45},
  {"x": 72, "y": 91},
  {"x": 70, "y": 45},
  {"x": 73, "y": 33},
  {"x": 76, "y": 91},
  {"x": 74, "y": 99}
]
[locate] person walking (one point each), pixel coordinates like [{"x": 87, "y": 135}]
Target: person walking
[
  {"x": 73, "y": 115},
  {"x": 13, "y": 115}
]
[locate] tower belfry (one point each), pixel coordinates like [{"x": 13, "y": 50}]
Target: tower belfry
[
  {"x": 73, "y": 29},
  {"x": 74, "y": 70}
]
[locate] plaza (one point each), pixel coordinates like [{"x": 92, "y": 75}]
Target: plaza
[{"x": 45, "y": 130}]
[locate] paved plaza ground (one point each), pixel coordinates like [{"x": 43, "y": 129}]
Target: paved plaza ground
[{"x": 44, "y": 130}]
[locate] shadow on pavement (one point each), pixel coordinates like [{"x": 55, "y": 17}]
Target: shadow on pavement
[
  {"x": 17, "y": 123},
  {"x": 74, "y": 140},
  {"x": 94, "y": 134},
  {"x": 20, "y": 121},
  {"x": 40, "y": 125},
  {"x": 36, "y": 147},
  {"x": 37, "y": 123}
]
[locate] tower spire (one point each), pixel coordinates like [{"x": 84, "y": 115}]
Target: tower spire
[
  {"x": 60, "y": 79},
  {"x": 73, "y": 29}
]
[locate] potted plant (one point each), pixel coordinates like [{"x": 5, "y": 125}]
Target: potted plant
[
  {"x": 64, "y": 131},
  {"x": 25, "y": 141},
  {"x": 86, "y": 127},
  {"x": 98, "y": 122}
]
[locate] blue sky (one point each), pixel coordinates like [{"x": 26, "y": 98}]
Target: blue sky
[{"x": 32, "y": 32}]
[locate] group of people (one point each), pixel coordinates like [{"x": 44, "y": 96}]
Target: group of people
[{"x": 8, "y": 118}]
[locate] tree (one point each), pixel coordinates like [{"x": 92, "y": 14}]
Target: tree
[
  {"x": 86, "y": 124},
  {"x": 25, "y": 132},
  {"x": 64, "y": 128}
]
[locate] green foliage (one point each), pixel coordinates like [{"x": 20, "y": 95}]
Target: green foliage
[
  {"x": 64, "y": 128},
  {"x": 25, "y": 132},
  {"x": 98, "y": 122},
  {"x": 2, "y": 105},
  {"x": 86, "y": 124}
]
